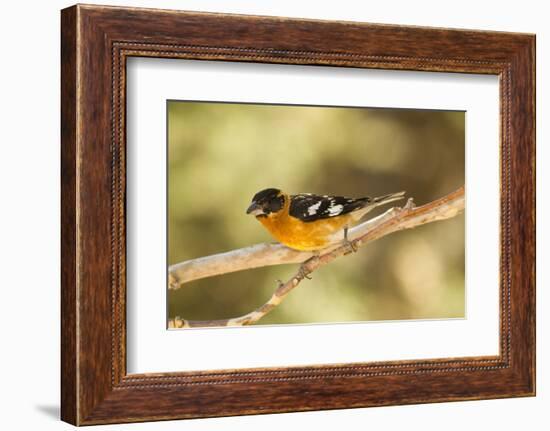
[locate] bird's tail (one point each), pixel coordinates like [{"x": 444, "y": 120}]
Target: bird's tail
[
  {"x": 382, "y": 200},
  {"x": 371, "y": 203}
]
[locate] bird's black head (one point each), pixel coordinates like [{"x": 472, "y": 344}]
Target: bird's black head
[{"x": 266, "y": 202}]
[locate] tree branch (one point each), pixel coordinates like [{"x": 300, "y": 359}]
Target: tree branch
[
  {"x": 255, "y": 256},
  {"x": 260, "y": 255}
]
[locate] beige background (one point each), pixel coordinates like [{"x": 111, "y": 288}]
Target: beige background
[{"x": 221, "y": 154}]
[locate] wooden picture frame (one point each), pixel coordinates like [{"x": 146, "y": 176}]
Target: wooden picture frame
[{"x": 95, "y": 43}]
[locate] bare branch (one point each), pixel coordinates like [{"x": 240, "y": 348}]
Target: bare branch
[{"x": 393, "y": 220}]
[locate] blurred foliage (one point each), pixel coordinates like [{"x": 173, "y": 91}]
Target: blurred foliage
[{"x": 221, "y": 154}]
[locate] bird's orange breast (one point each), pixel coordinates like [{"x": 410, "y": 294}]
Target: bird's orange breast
[{"x": 300, "y": 235}]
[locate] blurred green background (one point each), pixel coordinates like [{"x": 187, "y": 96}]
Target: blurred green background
[{"x": 221, "y": 154}]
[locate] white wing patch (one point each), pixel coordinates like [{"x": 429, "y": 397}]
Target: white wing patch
[
  {"x": 312, "y": 210},
  {"x": 309, "y": 207},
  {"x": 334, "y": 210}
]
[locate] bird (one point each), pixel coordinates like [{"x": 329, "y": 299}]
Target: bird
[{"x": 309, "y": 222}]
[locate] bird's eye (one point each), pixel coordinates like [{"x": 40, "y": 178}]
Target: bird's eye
[{"x": 275, "y": 205}]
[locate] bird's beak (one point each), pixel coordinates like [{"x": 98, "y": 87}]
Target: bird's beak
[{"x": 254, "y": 209}]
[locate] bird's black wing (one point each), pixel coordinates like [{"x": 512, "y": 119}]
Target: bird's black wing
[{"x": 308, "y": 207}]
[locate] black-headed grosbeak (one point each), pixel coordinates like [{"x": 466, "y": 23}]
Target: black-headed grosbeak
[{"x": 310, "y": 222}]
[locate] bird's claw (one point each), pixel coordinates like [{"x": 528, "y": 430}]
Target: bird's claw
[
  {"x": 352, "y": 247},
  {"x": 304, "y": 273}
]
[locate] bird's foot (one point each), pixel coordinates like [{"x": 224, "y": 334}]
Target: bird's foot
[
  {"x": 303, "y": 272},
  {"x": 351, "y": 246},
  {"x": 306, "y": 267}
]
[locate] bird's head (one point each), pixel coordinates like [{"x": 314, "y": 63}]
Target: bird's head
[{"x": 266, "y": 202}]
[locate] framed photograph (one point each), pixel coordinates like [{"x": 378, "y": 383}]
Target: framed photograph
[{"x": 331, "y": 214}]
